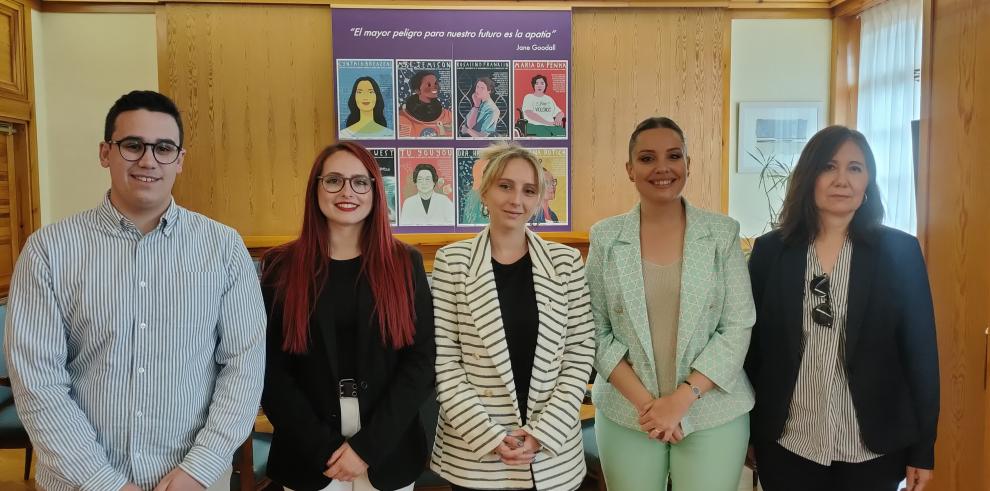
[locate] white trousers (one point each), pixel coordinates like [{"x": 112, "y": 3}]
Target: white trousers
[{"x": 350, "y": 423}]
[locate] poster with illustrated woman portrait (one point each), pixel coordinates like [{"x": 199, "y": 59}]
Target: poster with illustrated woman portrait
[
  {"x": 439, "y": 85},
  {"x": 425, "y": 100},
  {"x": 426, "y": 187},
  {"x": 483, "y": 90},
  {"x": 365, "y": 99},
  {"x": 539, "y": 96},
  {"x": 387, "y": 164},
  {"x": 554, "y": 206},
  {"x": 469, "y": 171}
]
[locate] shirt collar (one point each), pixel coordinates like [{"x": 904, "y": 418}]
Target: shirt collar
[{"x": 114, "y": 220}]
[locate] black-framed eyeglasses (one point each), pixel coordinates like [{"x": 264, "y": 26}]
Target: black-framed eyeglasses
[
  {"x": 333, "y": 183},
  {"x": 132, "y": 150},
  {"x": 822, "y": 313}
]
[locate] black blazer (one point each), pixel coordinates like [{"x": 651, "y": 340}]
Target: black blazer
[
  {"x": 891, "y": 357},
  {"x": 301, "y": 399}
]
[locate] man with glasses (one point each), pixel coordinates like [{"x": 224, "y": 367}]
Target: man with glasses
[
  {"x": 135, "y": 330},
  {"x": 426, "y": 207}
]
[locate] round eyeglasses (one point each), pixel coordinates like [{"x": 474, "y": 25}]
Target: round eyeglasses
[
  {"x": 333, "y": 183},
  {"x": 132, "y": 150}
]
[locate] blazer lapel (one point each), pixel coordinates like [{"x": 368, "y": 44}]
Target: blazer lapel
[
  {"x": 551, "y": 296},
  {"x": 482, "y": 300},
  {"x": 861, "y": 270},
  {"x": 628, "y": 261},
  {"x": 696, "y": 272}
]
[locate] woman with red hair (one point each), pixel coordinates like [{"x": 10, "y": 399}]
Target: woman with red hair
[{"x": 350, "y": 338}]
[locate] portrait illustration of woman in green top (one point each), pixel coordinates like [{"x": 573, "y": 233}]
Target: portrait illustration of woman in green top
[
  {"x": 482, "y": 119},
  {"x": 366, "y": 119}
]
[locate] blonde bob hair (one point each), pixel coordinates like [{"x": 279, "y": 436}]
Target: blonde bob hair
[{"x": 498, "y": 155}]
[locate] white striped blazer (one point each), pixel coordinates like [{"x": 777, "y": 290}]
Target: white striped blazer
[{"x": 475, "y": 388}]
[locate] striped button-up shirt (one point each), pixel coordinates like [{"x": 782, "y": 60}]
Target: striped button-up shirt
[
  {"x": 133, "y": 354},
  {"x": 821, "y": 425}
]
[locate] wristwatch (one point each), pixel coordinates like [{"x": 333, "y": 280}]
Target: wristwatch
[{"x": 694, "y": 389}]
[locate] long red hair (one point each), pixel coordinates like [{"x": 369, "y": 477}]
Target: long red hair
[{"x": 298, "y": 269}]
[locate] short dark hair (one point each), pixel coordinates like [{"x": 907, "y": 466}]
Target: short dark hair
[
  {"x": 799, "y": 214},
  {"x": 417, "y": 79},
  {"x": 487, "y": 81},
  {"x": 652, "y": 124},
  {"x": 427, "y": 167},
  {"x": 537, "y": 77},
  {"x": 148, "y": 100}
]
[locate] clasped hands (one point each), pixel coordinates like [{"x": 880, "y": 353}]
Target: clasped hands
[
  {"x": 176, "y": 480},
  {"x": 518, "y": 447},
  {"x": 661, "y": 418},
  {"x": 345, "y": 464}
]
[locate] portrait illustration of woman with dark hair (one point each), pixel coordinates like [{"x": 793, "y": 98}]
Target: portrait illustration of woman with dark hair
[
  {"x": 422, "y": 115},
  {"x": 482, "y": 119},
  {"x": 543, "y": 116},
  {"x": 366, "y": 120}
]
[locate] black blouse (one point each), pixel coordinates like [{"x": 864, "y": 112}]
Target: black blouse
[
  {"x": 520, "y": 319},
  {"x": 342, "y": 281}
]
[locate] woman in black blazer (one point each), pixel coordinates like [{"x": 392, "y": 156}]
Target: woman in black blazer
[
  {"x": 350, "y": 338},
  {"x": 843, "y": 355}
]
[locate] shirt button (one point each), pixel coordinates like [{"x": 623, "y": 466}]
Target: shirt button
[
  {"x": 143, "y": 284},
  {"x": 142, "y": 325},
  {"x": 137, "y": 456},
  {"x": 139, "y": 414},
  {"x": 141, "y": 370}
]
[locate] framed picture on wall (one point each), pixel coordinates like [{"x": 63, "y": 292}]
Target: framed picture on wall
[{"x": 775, "y": 131}]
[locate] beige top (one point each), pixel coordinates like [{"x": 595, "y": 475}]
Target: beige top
[{"x": 663, "y": 305}]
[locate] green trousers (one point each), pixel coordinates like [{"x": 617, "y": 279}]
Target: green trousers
[{"x": 706, "y": 460}]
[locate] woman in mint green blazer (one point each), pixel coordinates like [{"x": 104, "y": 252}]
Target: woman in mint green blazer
[{"x": 673, "y": 311}]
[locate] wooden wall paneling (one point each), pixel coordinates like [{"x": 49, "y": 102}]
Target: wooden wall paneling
[
  {"x": 8, "y": 251},
  {"x": 630, "y": 64},
  {"x": 29, "y": 183},
  {"x": 25, "y": 213},
  {"x": 956, "y": 230},
  {"x": 793, "y": 5},
  {"x": 12, "y": 50},
  {"x": 726, "y": 115},
  {"x": 764, "y": 12},
  {"x": 255, "y": 86},
  {"x": 844, "y": 87}
]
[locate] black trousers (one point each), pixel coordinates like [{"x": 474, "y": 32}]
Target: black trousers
[{"x": 782, "y": 470}]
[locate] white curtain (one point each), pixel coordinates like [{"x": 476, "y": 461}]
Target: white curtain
[{"x": 889, "y": 98}]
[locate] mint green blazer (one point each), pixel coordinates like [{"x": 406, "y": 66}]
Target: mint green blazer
[{"x": 714, "y": 324}]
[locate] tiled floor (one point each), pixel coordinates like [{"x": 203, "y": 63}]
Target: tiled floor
[{"x": 12, "y": 466}]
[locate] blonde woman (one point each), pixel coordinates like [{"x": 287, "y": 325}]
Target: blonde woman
[{"x": 515, "y": 343}]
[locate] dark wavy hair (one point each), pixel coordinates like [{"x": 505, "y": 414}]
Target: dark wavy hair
[
  {"x": 426, "y": 167},
  {"x": 799, "y": 214},
  {"x": 379, "y": 110}
]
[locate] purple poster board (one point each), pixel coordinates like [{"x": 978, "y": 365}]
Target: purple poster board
[{"x": 439, "y": 85}]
